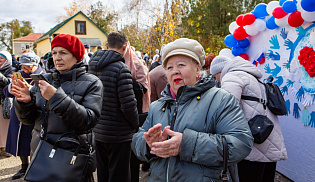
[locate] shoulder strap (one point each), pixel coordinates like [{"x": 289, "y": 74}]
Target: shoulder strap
[
  {"x": 224, "y": 175},
  {"x": 260, "y": 100}
]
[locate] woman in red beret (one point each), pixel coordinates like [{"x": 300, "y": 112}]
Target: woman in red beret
[{"x": 71, "y": 100}]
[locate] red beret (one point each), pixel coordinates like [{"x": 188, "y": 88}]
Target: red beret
[{"x": 71, "y": 43}]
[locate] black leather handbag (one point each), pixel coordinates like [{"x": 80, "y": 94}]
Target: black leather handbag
[
  {"x": 261, "y": 127},
  {"x": 52, "y": 163}
]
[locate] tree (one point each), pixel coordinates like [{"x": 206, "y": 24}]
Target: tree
[
  {"x": 18, "y": 28},
  {"x": 135, "y": 36},
  {"x": 167, "y": 27},
  {"x": 74, "y": 7},
  {"x": 207, "y": 21},
  {"x": 105, "y": 19}
]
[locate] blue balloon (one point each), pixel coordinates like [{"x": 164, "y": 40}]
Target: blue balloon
[
  {"x": 244, "y": 50},
  {"x": 289, "y": 7},
  {"x": 230, "y": 41},
  {"x": 270, "y": 23},
  {"x": 236, "y": 51},
  {"x": 243, "y": 43},
  {"x": 260, "y": 10},
  {"x": 281, "y": 2},
  {"x": 308, "y": 5}
]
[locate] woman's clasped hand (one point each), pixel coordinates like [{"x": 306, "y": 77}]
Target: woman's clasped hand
[{"x": 160, "y": 145}]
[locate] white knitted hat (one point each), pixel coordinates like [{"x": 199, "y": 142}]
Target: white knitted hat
[
  {"x": 6, "y": 55},
  {"x": 218, "y": 64}
]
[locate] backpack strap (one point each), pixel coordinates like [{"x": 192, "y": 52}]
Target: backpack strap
[{"x": 260, "y": 100}]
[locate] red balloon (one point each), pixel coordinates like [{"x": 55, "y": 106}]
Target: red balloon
[
  {"x": 244, "y": 55},
  {"x": 262, "y": 61},
  {"x": 249, "y": 19},
  {"x": 295, "y": 19},
  {"x": 279, "y": 13},
  {"x": 239, "y": 20},
  {"x": 240, "y": 33}
]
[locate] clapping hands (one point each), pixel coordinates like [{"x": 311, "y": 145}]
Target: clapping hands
[{"x": 158, "y": 143}]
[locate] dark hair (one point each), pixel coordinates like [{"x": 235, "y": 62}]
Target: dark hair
[
  {"x": 208, "y": 61},
  {"x": 99, "y": 47},
  {"x": 117, "y": 39}
]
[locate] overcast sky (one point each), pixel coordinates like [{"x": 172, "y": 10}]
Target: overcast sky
[{"x": 42, "y": 13}]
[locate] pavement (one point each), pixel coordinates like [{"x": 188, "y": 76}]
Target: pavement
[{"x": 10, "y": 165}]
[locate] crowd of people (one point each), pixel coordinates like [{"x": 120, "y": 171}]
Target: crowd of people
[{"x": 170, "y": 113}]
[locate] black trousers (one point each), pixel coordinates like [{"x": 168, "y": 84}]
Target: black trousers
[
  {"x": 249, "y": 171},
  {"x": 134, "y": 167},
  {"x": 113, "y": 161}
]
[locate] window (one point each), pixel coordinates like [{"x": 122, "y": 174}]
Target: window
[{"x": 80, "y": 27}]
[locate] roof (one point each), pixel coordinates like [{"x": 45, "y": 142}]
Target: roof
[
  {"x": 58, "y": 26},
  {"x": 30, "y": 37}
]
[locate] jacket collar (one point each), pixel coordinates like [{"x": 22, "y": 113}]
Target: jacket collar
[
  {"x": 186, "y": 92},
  {"x": 103, "y": 58}
]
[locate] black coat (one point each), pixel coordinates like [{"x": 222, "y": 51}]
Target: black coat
[
  {"x": 119, "y": 119},
  {"x": 154, "y": 65},
  {"x": 5, "y": 78},
  {"x": 76, "y": 105},
  {"x": 15, "y": 64}
]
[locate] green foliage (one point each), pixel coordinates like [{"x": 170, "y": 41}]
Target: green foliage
[
  {"x": 135, "y": 36},
  {"x": 104, "y": 19},
  {"x": 18, "y": 28},
  {"x": 208, "y": 20}
]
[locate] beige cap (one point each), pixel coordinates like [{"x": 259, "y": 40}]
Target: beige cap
[{"x": 186, "y": 47}]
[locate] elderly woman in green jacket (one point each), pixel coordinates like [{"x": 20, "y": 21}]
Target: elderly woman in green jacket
[{"x": 181, "y": 137}]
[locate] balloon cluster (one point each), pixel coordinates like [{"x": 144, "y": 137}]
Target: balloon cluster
[{"x": 272, "y": 15}]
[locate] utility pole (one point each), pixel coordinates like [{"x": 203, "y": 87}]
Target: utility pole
[{"x": 12, "y": 37}]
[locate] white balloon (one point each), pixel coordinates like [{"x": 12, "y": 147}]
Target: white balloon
[
  {"x": 233, "y": 26},
  {"x": 308, "y": 16},
  {"x": 299, "y": 7},
  {"x": 226, "y": 52},
  {"x": 260, "y": 25},
  {"x": 251, "y": 30},
  {"x": 271, "y": 6},
  {"x": 282, "y": 22}
]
